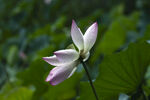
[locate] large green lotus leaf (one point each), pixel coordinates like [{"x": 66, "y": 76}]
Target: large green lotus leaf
[{"x": 121, "y": 72}]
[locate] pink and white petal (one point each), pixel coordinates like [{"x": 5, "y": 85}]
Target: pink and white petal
[
  {"x": 59, "y": 74},
  {"x": 52, "y": 60},
  {"x": 49, "y": 77},
  {"x": 90, "y": 37},
  {"x": 86, "y": 56},
  {"x": 67, "y": 56},
  {"x": 77, "y": 36}
]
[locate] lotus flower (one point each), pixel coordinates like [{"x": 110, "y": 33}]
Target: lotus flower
[{"x": 66, "y": 61}]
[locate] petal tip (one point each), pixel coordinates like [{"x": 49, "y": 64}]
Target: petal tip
[
  {"x": 46, "y": 80},
  {"x": 73, "y": 24},
  {"x": 95, "y": 27},
  {"x": 44, "y": 58},
  {"x": 95, "y": 24},
  {"x": 50, "y": 76},
  {"x": 57, "y": 53},
  {"x": 52, "y": 83},
  {"x": 73, "y": 21}
]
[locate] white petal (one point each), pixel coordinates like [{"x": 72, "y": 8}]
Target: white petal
[
  {"x": 52, "y": 60},
  {"x": 59, "y": 74},
  {"x": 67, "y": 56},
  {"x": 90, "y": 37},
  {"x": 77, "y": 36}
]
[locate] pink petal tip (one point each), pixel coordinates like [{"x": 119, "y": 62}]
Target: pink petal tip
[
  {"x": 44, "y": 58},
  {"x": 52, "y": 83},
  {"x": 95, "y": 24}
]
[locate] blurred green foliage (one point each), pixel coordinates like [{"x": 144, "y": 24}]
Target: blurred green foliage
[{"x": 119, "y": 61}]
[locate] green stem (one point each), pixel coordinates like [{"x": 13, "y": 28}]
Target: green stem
[{"x": 90, "y": 80}]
